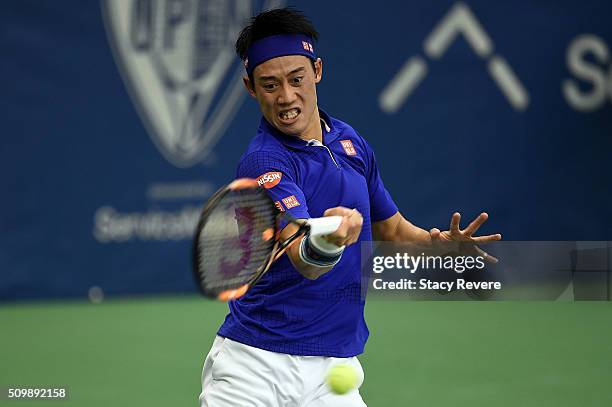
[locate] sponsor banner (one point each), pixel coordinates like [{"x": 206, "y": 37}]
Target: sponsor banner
[{"x": 121, "y": 117}]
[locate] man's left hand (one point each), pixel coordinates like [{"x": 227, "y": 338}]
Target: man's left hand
[{"x": 466, "y": 236}]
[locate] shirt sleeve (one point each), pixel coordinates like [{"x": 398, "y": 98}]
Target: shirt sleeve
[
  {"x": 382, "y": 205},
  {"x": 275, "y": 173}
]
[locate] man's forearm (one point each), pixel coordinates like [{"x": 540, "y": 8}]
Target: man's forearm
[
  {"x": 399, "y": 229},
  {"x": 407, "y": 232}
]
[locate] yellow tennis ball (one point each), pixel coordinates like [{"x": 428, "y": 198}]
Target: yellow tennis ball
[{"x": 341, "y": 378}]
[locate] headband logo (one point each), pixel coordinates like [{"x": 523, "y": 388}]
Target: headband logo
[{"x": 307, "y": 46}]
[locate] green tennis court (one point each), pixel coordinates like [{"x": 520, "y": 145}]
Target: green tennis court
[{"x": 149, "y": 352}]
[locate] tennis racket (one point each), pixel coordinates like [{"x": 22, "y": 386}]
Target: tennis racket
[{"x": 238, "y": 238}]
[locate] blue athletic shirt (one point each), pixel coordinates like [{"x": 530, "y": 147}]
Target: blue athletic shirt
[{"x": 286, "y": 312}]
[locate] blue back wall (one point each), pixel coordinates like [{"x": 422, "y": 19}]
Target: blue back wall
[{"x": 121, "y": 117}]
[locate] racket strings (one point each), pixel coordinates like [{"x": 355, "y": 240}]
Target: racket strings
[{"x": 234, "y": 241}]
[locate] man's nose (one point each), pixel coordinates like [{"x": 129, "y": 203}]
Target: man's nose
[{"x": 286, "y": 95}]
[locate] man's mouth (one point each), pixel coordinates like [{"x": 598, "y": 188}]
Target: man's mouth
[{"x": 289, "y": 115}]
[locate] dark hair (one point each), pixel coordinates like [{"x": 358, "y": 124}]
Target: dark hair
[
  {"x": 277, "y": 21},
  {"x": 286, "y": 20}
]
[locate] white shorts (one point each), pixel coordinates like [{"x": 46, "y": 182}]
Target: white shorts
[{"x": 238, "y": 375}]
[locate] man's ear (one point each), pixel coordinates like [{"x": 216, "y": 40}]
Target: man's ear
[
  {"x": 250, "y": 87},
  {"x": 318, "y": 70}
]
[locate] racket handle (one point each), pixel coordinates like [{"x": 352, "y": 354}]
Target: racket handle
[{"x": 324, "y": 226}]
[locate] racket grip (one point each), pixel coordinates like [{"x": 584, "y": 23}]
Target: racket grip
[
  {"x": 324, "y": 226},
  {"x": 320, "y": 227}
]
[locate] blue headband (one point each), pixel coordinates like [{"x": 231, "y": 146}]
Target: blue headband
[{"x": 277, "y": 46}]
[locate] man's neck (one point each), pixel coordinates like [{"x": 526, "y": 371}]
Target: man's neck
[{"x": 314, "y": 130}]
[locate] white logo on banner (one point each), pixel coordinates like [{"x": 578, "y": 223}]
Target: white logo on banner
[
  {"x": 177, "y": 60},
  {"x": 458, "y": 21},
  {"x": 591, "y": 70}
]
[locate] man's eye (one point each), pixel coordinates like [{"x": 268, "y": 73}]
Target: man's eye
[
  {"x": 269, "y": 86},
  {"x": 297, "y": 80}
]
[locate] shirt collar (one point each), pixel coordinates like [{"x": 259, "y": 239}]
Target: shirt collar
[{"x": 330, "y": 133}]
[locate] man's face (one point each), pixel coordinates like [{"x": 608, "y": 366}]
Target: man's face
[{"x": 287, "y": 95}]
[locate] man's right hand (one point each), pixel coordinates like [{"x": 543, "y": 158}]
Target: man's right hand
[
  {"x": 349, "y": 230},
  {"x": 346, "y": 234}
]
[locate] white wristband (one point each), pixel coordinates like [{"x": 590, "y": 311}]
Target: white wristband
[
  {"x": 323, "y": 246},
  {"x": 314, "y": 256}
]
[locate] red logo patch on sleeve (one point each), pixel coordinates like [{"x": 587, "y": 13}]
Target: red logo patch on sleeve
[
  {"x": 291, "y": 202},
  {"x": 279, "y": 206},
  {"x": 269, "y": 179},
  {"x": 347, "y": 145}
]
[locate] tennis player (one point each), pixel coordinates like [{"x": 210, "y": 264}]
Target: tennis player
[{"x": 307, "y": 312}]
